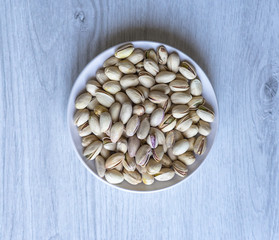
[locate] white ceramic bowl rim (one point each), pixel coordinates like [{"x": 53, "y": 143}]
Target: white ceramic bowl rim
[{"x": 79, "y": 86}]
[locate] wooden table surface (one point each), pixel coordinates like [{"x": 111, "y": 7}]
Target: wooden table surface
[{"x": 46, "y": 193}]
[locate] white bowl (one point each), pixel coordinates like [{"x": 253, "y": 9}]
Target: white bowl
[{"x": 79, "y": 86}]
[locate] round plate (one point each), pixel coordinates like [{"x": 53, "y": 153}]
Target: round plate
[{"x": 90, "y": 71}]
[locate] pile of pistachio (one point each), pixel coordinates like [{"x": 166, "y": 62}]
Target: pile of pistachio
[{"x": 143, "y": 116}]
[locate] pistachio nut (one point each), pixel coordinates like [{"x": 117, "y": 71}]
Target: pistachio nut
[
  {"x": 112, "y": 87},
  {"x": 93, "y": 150},
  {"x": 170, "y": 139},
  {"x": 104, "y": 98},
  {"x": 147, "y": 179},
  {"x": 195, "y": 102},
  {"x": 165, "y": 174},
  {"x": 200, "y": 145},
  {"x": 129, "y": 163},
  {"x": 173, "y": 62},
  {"x": 150, "y": 54},
  {"x": 205, "y": 114},
  {"x": 162, "y": 55},
  {"x": 157, "y": 97},
  {"x": 179, "y": 111},
  {"x": 165, "y": 77},
  {"x": 92, "y": 86},
  {"x": 158, "y": 153},
  {"x": 99, "y": 109},
  {"x": 81, "y": 116},
  {"x": 114, "y": 160},
  {"x": 116, "y": 131},
  {"x": 179, "y": 85},
  {"x": 146, "y": 79},
  {"x": 122, "y": 145},
  {"x": 121, "y": 97},
  {"x": 138, "y": 110},
  {"x": 159, "y": 135},
  {"x": 133, "y": 178},
  {"x": 133, "y": 145},
  {"x": 149, "y": 106},
  {"x": 180, "y": 97},
  {"x": 180, "y": 168},
  {"x": 83, "y": 100},
  {"x": 105, "y": 121},
  {"x": 101, "y": 76},
  {"x": 114, "y": 111},
  {"x": 166, "y": 161},
  {"x": 204, "y": 128},
  {"x": 153, "y": 167},
  {"x": 124, "y": 51},
  {"x": 84, "y": 130},
  {"x": 194, "y": 116},
  {"x": 105, "y": 153},
  {"x": 85, "y": 141},
  {"x": 100, "y": 166},
  {"x": 130, "y": 80},
  {"x": 94, "y": 124},
  {"x": 113, "y": 73},
  {"x": 132, "y": 125},
  {"x": 157, "y": 117},
  {"x": 196, "y": 87},
  {"x": 191, "y": 131},
  {"x": 152, "y": 140},
  {"x": 166, "y": 105},
  {"x": 184, "y": 123},
  {"x": 126, "y": 112},
  {"x": 111, "y": 61},
  {"x": 126, "y": 67},
  {"x": 191, "y": 143},
  {"x": 114, "y": 177},
  {"x": 150, "y": 66},
  {"x": 168, "y": 123},
  {"x": 143, "y": 129},
  {"x": 187, "y": 70},
  {"x": 136, "y": 95},
  {"x": 137, "y": 56},
  {"x": 93, "y": 103},
  {"x": 180, "y": 147},
  {"x": 187, "y": 158},
  {"x": 108, "y": 144},
  {"x": 143, "y": 154},
  {"x": 161, "y": 87}
]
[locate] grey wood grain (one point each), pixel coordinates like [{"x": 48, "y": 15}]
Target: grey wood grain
[{"x": 46, "y": 193}]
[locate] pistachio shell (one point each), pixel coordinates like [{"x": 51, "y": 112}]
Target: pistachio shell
[
  {"x": 200, "y": 145},
  {"x": 116, "y": 131},
  {"x": 166, "y": 161},
  {"x": 191, "y": 143},
  {"x": 101, "y": 76},
  {"x": 81, "y": 116},
  {"x": 126, "y": 112},
  {"x": 171, "y": 155},
  {"x": 121, "y": 97},
  {"x": 177, "y": 135},
  {"x": 158, "y": 153},
  {"x": 129, "y": 163},
  {"x": 93, "y": 150},
  {"x": 180, "y": 98},
  {"x": 180, "y": 147},
  {"x": 94, "y": 124},
  {"x": 179, "y": 85},
  {"x": 180, "y": 168},
  {"x": 162, "y": 87},
  {"x": 135, "y": 95},
  {"x": 105, "y": 153},
  {"x": 196, "y": 87},
  {"x": 162, "y": 55},
  {"x": 83, "y": 100},
  {"x": 187, "y": 158},
  {"x": 144, "y": 128},
  {"x": 165, "y": 174},
  {"x": 92, "y": 86},
  {"x": 93, "y": 103},
  {"x": 100, "y": 166},
  {"x": 168, "y": 123},
  {"x": 159, "y": 135},
  {"x": 111, "y": 61},
  {"x": 124, "y": 51},
  {"x": 141, "y": 169},
  {"x": 153, "y": 167},
  {"x": 88, "y": 140},
  {"x": 122, "y": 145},
  {"x": 105, "y": 121},
  {"x": 99, "y": 109},
  {"x": 157, "y": 117},
  {"x": 204, "y": 128},
  {"x": 133, "y": 145},
  {"x": 191, "y": 131},
  {"x": 147, "y": 179},
  {"x": 205, "y": 114},
  {"x": 132, "y": 125},
  {"x": 133, "y": 178},
  {"x": 104, "y": 98},
  {"x": 146, "y": 79},
  {"x": 130, "y": 80},
  {"x": 166, "y": 105},
  {"x": 165, "y": 77},
  {"x": 108, "y": 144},
  {"x": 136, "y": 56},
  {"x": 149, "y": 106},
  {"x": 195, "y": 102},
  {"x": 151, "y": 66},
  {"x": 194, "y": 116},
  {"x": 126, "y": 67},
  {"x": 173, "y": 62},
  {"x": 112, "y": 87},
  {"x": 144, "y": 90},
  {"x": 114, "y": 160},
  {"x": 114, "y": 111},
  {"x": 180, "y": 111},
  {"x": 170, "y": 139},
  {"x": 150, "y": 54},
  {"x": 138, "y": 110},
  {"x": 187, "y": 70},
  {"x": 157, "y": 97},
  {"x": 113, "y": 73},
  {"x": 114, "y": 177},
  {"x": 84, "y": 130},
  {"x": 184, "y": 123},
  {"x": 143, "y": 154},
  {"x": 152, "y": 140}
]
